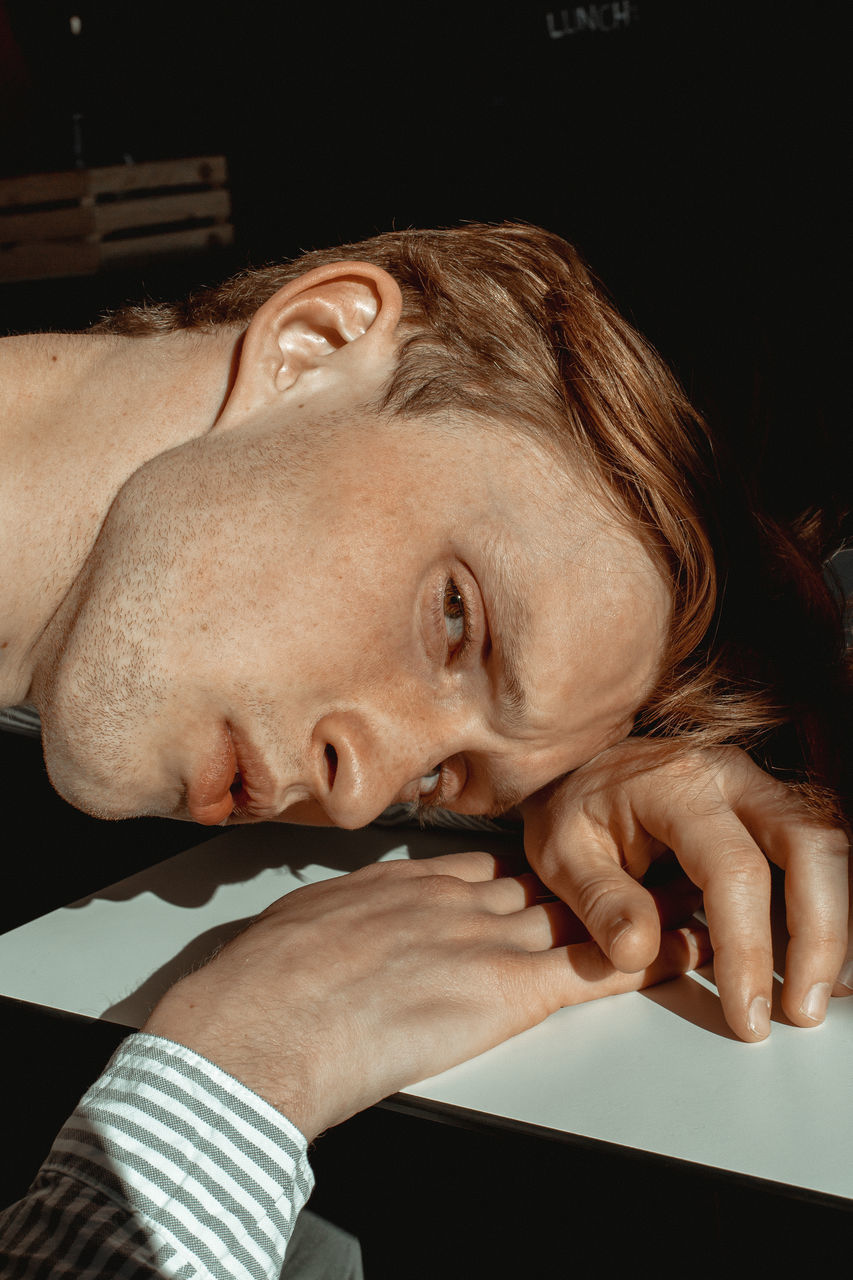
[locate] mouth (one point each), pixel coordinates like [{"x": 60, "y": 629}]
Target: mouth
[
  {"x": 209, "y": 798},
  {"x": 254, "y": 794},
  {"x": 233, "y": 784}
]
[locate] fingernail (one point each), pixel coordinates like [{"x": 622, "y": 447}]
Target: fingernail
[
  {"x": 845, "y": 977},
  {"x": 814, "y": 1005},
  {"x": 759, "y": 1017}
]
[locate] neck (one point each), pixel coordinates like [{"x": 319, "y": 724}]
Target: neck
[{"x": 79, "y": 414}]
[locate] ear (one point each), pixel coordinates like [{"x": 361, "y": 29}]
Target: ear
[{"x": 333, "y": 326}]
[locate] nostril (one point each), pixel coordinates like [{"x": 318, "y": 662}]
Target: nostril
[{"x": 331, "y": 763}]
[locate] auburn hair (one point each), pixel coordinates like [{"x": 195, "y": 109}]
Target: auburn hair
[{"x": 505, "y": 322}]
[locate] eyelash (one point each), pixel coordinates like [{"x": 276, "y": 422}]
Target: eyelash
[
  {"x": 423, "y": 807},
  {"x": 451, "y": 587},
  {"x": 435, "y": 799}
]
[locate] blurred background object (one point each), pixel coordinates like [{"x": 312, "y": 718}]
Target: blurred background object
[{"x": 82, "y": 220}]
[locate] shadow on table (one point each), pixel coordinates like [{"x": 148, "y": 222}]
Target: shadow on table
[
  {"x": 134, "y": 1009},
  {"x": 692, "y": 1000},
  {"x": 242, "y": 853},
  {"x": 192, "y": 878}
]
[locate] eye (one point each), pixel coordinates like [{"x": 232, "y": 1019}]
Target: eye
[
  {"x": 440, "y": 788},
  {"x": 428, "y": 784},
  {"x": 455, "y": 616}
]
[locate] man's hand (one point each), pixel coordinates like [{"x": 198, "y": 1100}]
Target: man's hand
[
  {"x": 345, "y": 991},
  {"x": 593, "y": 836}
]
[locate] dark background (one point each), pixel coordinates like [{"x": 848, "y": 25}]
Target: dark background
[{"x": 695, "y": 154}]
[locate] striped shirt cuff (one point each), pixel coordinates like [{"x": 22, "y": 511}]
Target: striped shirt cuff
[{"x": 168, "y": 1167}]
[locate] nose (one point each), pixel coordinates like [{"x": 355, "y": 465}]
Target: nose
[{"x": 363, "y": 766}]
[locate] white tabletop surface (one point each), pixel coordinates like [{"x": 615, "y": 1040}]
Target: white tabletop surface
[{"x": 657, "y": 1071}]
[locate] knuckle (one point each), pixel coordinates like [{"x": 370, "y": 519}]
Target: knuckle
[
  {"x": 818, "y": 927},
  {"x": 598, "y": 899},
  {"x": 374, "y": 871},
  {"x": 832, "y": 843},
  {"x": 692, "y": 780},
  {"x": 688, "y": 763},
  {"x": 396, "y": 869},
  {"x": 523, "y": 989},
  {"x": 442, "y": 890},
  {"x": 548, "y": 860},
  {"x": 744, "y": 868},
  {"x": 823, "y": 940},
  {"x": 816, "y": 846},
  {"x": 702, "y": 765},
  {"x": 736, "y": 958}
]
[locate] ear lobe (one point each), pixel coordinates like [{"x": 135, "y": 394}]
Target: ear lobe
[{"x": 348, "y": 309}]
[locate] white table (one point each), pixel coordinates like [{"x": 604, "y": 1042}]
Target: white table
[{"x": 656, "y": 1071}]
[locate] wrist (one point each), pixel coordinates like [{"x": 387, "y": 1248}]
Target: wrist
[{"x": 264, "y": 1058}]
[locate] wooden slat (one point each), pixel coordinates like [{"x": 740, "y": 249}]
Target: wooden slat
[
  {"x": 41, "y": 188},
  {"x": 78, "y": 221},
  {"x": 58, "y": 258},
  {"x": 126, "y": 214},
  {"x": 122, "y": 215},
  {"x": 157, "y": 173},
  {"x": 116, "y": 251},
  {"x": 44, "y": 188}
]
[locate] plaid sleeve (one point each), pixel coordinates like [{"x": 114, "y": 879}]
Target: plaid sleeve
[{"x": 168, "y": 1167}]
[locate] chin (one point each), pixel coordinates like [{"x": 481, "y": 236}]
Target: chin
[{"x": 93, "y": 787}]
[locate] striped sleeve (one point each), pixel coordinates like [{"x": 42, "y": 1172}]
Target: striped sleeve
[{"x": 169, "y": 1167}]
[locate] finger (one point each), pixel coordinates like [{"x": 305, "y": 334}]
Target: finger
[
  {"x": 816, "y": 860},
  {"x": 473, "y": 865},
  {"x": 619, "y": 913},
  {"x": 539, "y": 927},
  {"x": 512, "y": 893},
  {"x": 814, "y": 857},
  {"x": 582, "y": 972},
  {"x": 771, "y": 810},
  {"x": 816, "y": 898},
  {"x": 551, "y": 923},
  {"x": 720, "y": 856}
]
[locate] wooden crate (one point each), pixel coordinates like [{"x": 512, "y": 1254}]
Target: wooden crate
[{"x": 86, "y": 220}]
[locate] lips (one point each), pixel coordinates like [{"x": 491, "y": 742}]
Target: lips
[
  {"x": 209, "y": 797},
  {"x": 234, "y": 784}
]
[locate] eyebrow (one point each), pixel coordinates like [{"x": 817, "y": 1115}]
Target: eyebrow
[{"x": 509, "y": 620}]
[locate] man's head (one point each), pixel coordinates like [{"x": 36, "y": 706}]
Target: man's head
[
  {"x": 507, "y": 324},
  {"x": 433, "y": 544}
]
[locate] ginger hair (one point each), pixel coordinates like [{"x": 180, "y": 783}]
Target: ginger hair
[{"x": 505, "y": 322}]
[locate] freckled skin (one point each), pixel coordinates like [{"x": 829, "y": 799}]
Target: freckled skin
[{"x": 277, "y": 583}]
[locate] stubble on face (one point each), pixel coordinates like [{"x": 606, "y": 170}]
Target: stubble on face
[
  {"x": 175, "y": 574},
  {"x": 268, "y": 574}
]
